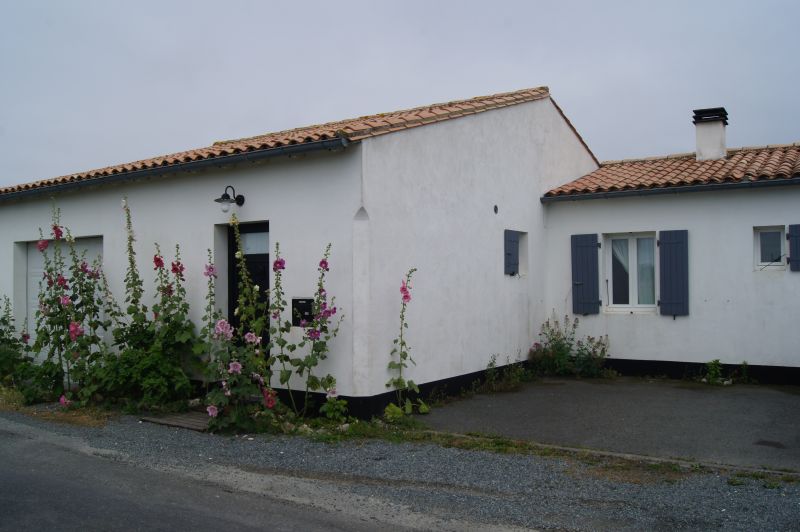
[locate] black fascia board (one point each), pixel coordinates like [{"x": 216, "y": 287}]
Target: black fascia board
[
  {"x": 224, "y": 160},
  {"x": 672, "y": 190}
]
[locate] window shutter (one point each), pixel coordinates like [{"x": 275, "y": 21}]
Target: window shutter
[
  {"x": 674, "y": 272},
  {"x": 511, "y": 252},
  {"x": 585, "y": 275},
  {"x": 794, "y": 247}
]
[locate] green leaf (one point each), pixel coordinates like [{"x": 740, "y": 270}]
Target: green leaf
[{"x": 285, "y": 375}]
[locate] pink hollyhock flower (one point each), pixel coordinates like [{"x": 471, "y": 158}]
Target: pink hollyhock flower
[
  {"x": 251, "y": 338},
  {"x": 41, "y": 245},
  {"x": 258, "y": 378},
  {"x": 303, "y": 323},
  {"x": 331, "y": 393},
  {"x": 313, "y": 334},
  {"x": 75, "y": 330},
  {"x": 65, "y": 300},
  {"x": 212, "y": 410},
  {"x": 276, "y": 315},
  {"x": 25, "y": 338},
  {"x": 57, "y": 232},
  {"x": 64, "y": 401},
  {"x": 223, "y": 329},
  {"x": 323, "y": 265},
  {"x": 235, "y": 367},
  {"x": 279, "y": 264},
  {"x": 269, "y": 397},
  {"x": 85, "y": 267},
  {"x": 210, "y": 270},
  {"x": 158, "y": 262},
  {"x": 177, "y": 269},
  {"x": 404, "y": 290}
]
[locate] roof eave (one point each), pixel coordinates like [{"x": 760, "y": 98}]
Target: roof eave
[
  {"x": 672, "y": 190},
  {"x": 337, "y": 143}
]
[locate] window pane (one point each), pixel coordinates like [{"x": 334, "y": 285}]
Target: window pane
[
  {"x": 770, "y": 246},
  {"x": 255, "y": 243},
  {"x": 646, "y": 271},
  {"x": 619, "y": 272}
]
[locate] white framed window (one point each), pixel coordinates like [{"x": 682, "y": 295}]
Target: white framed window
[
  {"x": 769, "y": 248},
  {"x": 630, "y": 268}
]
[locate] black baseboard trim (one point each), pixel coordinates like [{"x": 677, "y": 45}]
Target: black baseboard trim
[
  {"x": 373, "y": 406},
  {"x": 695, "y": 370}
]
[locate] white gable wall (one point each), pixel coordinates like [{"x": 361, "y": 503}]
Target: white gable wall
[
  {"x": 737, "y": 312},
  {"x": 429, "y": 195}
]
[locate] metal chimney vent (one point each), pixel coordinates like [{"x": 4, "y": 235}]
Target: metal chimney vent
[{"x": 714, "y": 114}]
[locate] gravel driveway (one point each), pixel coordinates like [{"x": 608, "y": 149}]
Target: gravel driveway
[{"x": 446, "y": 486}]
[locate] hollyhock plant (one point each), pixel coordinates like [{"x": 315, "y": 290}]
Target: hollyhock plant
[
  {"x": 402, "y": 350},
  {"x": 279, "y": 264},
  {"x": 158, "y": 262},
  {"x": 323, "y": 265}
]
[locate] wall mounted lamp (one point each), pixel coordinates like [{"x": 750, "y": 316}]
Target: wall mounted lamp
[{"x": 226, "y": 200}]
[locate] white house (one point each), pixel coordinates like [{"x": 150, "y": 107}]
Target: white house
[{"x": 473, "y": 194}]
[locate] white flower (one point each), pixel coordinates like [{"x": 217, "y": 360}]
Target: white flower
[
  {"x": 238, "y": 254},
  {"x": 257, "y": 288},
  {"x": 236, "y": 311}
]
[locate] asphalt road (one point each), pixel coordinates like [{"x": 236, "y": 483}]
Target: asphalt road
[{"x": 48, "y": 487}]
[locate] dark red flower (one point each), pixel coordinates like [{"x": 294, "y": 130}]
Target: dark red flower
[
  {"x": 57, "y": 232},
  {"x": 41, "y": 245},
  {"x": 167, "y": 290},
  {"x": 158, "y": 262},
  {"x": 177, "y": 269},
  {"x": 60, "y": 281}
]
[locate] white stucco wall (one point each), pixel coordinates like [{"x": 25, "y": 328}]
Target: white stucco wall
[
  {"x": 429, "y": 195},
  {"x": 308, "y": 201},
  {"x": 736, "y": 312}
]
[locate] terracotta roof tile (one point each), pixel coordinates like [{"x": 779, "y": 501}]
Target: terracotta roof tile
[
  {"x": 353, "y": 130},
  {"x": 741, "y": 164}
]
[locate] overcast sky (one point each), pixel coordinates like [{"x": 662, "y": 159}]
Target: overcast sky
[{"x": 86, "y": 84}]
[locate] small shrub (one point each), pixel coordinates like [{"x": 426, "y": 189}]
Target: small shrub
[
  {"x": 559, "y": 353},
  {"x": 713, "y": 372}
]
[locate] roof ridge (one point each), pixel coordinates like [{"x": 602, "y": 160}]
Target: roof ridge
[{"x": 730, "y": 151}]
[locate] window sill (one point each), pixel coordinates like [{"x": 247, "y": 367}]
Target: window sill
[
  {"x": 769, "y": 268},
  {"x": 630, "y": 310}
]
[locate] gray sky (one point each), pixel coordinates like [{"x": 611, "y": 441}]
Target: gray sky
[{"x": 87, "y": 83}]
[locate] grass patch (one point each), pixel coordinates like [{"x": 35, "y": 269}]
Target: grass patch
[
  {"x": 83, "y": 417},
  {"x": 10, "y": 399}
]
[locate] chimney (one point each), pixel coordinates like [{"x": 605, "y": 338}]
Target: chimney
[{"x": 710, "y": 128}]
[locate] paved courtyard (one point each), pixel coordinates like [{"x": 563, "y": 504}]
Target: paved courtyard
[{"x": 742, "y": 425}]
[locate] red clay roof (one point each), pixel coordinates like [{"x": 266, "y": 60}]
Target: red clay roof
[
  {"x": 741, "y": 165},
  {"x": 354, "y": 129}
]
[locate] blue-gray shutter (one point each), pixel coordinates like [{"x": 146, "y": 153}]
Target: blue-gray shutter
[
  {"x": 585, "y": 275},
  {"x": 674, "y": 277},
  {"x": 794, "y": 247},
  {"x": 511, "y": 247}
]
